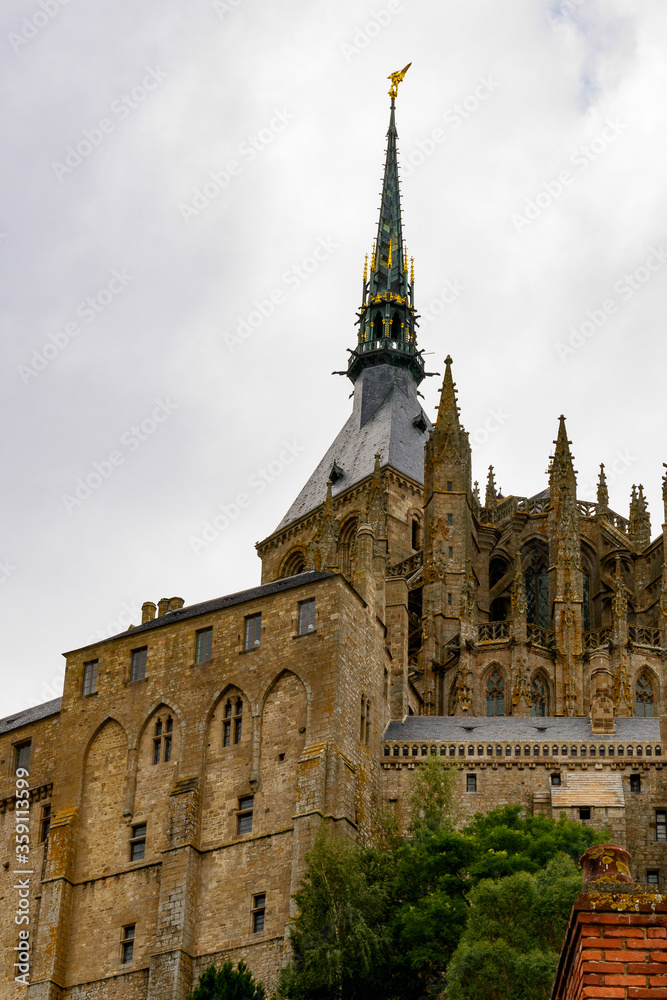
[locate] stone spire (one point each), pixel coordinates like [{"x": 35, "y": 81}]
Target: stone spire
[
  {"x": 603, "y": 492},
  {"x": 387, "y": 315},
  {"x": 567, "y": 578},
  {"x": 640, "y": 519},
  {"x": 491, "y": 498},
  {"x": 447, "y": 456}
]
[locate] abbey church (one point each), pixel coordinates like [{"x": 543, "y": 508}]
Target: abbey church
[{"x": 175, "y": 788}]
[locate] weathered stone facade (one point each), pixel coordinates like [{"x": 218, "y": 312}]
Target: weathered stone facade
[{"x": 520, "y": 640}]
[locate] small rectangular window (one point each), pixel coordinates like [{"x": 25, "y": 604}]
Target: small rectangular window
[
  {"x": 139, "y": 663},
  {"x": 449, "y": 485},
  {"x": 258, "y": 912},
  {"x": 635, "y": 783},
  {"x": 204, "y": 645},
  {"x": 167, "y": 749},
  {"x": 253, "y": 630},
  {"x": 127, "y": 944},
  {"x": 653, "y": 877},
  {"x": 307, "y": 616},
  {"x": 90, "y": 678},
  {"x": 138, "y": 842},
  {"x": 22, "y": 755},
  {"x": 245, "y": 814},
  {"x": 661, "y": 824},
  {"x": 45, "y": 823},
  {"x": 584, "y": 812},
  {"x": 471, "y": 782},
  {"x": 555, "y": 780},
  {"x": 450, "y": 519},
  {"x": 451, "y": 552}
]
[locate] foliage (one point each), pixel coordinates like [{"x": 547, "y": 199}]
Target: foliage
[
  {"x": 227, "y": 983},
  {"x": 515, "y": 929},
  {"x": 487, "y": 905}
]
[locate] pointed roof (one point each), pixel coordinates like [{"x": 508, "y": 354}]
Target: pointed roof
[
  {"x": 387, "y": 265},
  {"x": 448, "y": 409},
  {"x": 562, "y": 471},
  {"x": 387, "y": 419}
]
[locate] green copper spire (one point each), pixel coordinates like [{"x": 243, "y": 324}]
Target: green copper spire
[{"x": 387, "y": 316}]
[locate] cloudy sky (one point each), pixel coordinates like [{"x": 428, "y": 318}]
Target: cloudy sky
[{"x": 168, "y": 334}]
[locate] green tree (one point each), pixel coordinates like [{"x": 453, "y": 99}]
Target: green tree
[
  {"x": 516, "y": 924},
  {"x": 227, "y": 983}
]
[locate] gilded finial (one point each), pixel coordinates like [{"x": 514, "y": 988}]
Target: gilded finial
[
  {"x": 412, "y": 270},
  {"x": 365, "y": 268},
  {"x": 389, "y": 260},
  {"x": 373, "y": 257},
  {"x": 397, "y": 78},
  {"x": 405, "y": 261}
]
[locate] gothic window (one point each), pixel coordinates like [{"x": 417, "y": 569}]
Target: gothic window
[
  {"x": 497, "y": 570},
  {"x": 232, "y": 722},
  {"x": 396, "y": 327},
  {"x": 495, "y": 693},
  {"x": 365, "y": 727},
  {"x": 537, "y": 595},
  {"x": 643, "y": 696},
  {"x": 416, "y": 534},
  {"x": 538, "y": 696},
  {"x": 294, "y": 563},
  {"x": 348, "y": 533},
  {"x": 377, "y": 326},
  {"x": 162, "y": 740},
  {"x": 499, "y": 610},
  {"x": 587, "y": 603}
]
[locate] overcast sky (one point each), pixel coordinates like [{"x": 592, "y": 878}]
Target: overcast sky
[{"x": 169, "y": 171}]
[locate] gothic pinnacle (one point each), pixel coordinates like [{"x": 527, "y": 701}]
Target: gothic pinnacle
[
  {"x": 491, "y": 497},
  {"x": 448, "y": 410},
  {"x": 603, "y": 492},
  {"x": 562, "y": 472}
]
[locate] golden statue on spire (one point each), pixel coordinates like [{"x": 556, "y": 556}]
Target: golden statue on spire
[{"x": 397, "y": 78}]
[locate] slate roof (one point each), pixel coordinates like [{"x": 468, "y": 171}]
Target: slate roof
[
  {"x": 385, "y": 406},
  {"x": 29, "y": 715},
  {"x": 242, "y": 597},
  {"x": 426, "y": 727}
]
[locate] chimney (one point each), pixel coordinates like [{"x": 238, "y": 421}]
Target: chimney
[
  {"x": 616, "y": 941},
  {"x": 175, "y": 603},
  {"x": 162, "y": 606},
  {"x": 147, "y": 612}
]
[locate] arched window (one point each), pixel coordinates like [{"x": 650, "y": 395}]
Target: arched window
[
  {"x": 587, "y": 602},
  {"x": 644, "y": 696},
  {"x": 346, "y": 539},
  {"x": 495, "y": 693},
  {"x": 416, "y": 534},
  {"x": 537, "y": 595},
  {"x": 538, "y": 696},
  {"x": 499, "y": 610},
  {"x": 377, "y": 326},
  {"x": 162, "y": 742},
  {"x": 232, "y": 722},
  {"x": 294, "y": 563},
  {"x": 497, "y": 570}
]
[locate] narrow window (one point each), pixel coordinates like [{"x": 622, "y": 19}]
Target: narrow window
[
  {"x": 495, "y": 693},
  {"x": 471, "y": 782},
  {"x": 90, "y": 678},
  {"x": 167, "y": 739},
  {"x": 555, "y": 780},
  {"x": 661, "y": 824},
  {"x": 22, "y": 755},
  {"x": 643, "y": 696},
  {"x": 138, "y": 842},
  {"x": 307, "y": 616},
  {"x": 244, "y": 814},
  {"x": 449, "y": 598},
  {"x": 253, "y": 628},
  {"x": 416, "y": 541},
  {"x": 204, "y": 645},
  {"x": 450, "y": 519},
  {"x": 538, "y": 697},
  {"x": 227, "y": 725},
  {"x": 362, "y": 722},
  {"x": 635, "y": 783},
  {"x": 449, "y": 485},
  {"x": 385, "y": 690},
  {"x": 139, "y": 663},
  {"x": 451, "y": 552},
  {"x": 157, "y": 742},
  {"x": 127, "y": 944},
  {"x": 585, "y": 812},
  {"x": 258, "y": 912},
  {"x": 368, "y": 720},
  {"x": 238, "y": 720},
  {"x": 653, "y": 876},
  {"x": 45, "y": 823}
]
